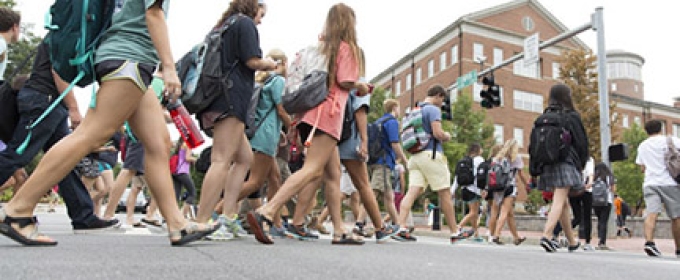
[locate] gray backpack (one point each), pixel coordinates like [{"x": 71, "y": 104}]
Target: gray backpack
[
  {"x": 672, "y": 159},
  {"x": 601, "y": 192},
  {"x": 307, "y": 81}
]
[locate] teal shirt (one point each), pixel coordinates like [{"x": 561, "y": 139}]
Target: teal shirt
[
  {"x": 266, "y": 138},
  {"x": 128, "y": 37}
]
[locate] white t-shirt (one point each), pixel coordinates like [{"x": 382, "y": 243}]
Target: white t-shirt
[
  {"x": 589, "y": 171},
  {"x": 3, "y": 57},
  {"x": 651, "y": 155},
  {"x": 476, "y": 161},
  {"x": 515, "y": 167}
]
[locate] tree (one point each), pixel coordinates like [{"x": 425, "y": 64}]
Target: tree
[
  {"x": 629, "y": 176},
  {"x": 578, "y": 70},
  {"x": 24, "y": 47},
  {"x": 378, "y": 96}
]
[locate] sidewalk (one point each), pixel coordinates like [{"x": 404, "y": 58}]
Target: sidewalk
[{"x": 634, "y": 244}]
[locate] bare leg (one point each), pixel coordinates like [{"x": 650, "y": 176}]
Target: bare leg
[
  {"x": 119, "y": 186},
  {"x": 358, "y": 171},
  {"x": 407, "y": 203},
  {"x": 559, "y": 205},
  {"x": 447, "y": 209},
  {"x": 650, "y": 226}
]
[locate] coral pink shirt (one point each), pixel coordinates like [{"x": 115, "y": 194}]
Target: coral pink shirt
[{"x": 330, "y": 111}]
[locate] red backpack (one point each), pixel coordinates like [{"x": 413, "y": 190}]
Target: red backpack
[{"x": 174, "y": 161}]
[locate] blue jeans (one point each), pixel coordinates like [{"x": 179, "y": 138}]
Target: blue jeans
[{"x": 53, "y": 128}]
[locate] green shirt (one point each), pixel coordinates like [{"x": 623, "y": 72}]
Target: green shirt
[{"x": 128, "y": 37}]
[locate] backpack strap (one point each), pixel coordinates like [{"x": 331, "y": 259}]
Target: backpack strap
[
  {"x": 432, "y": 138},
  {"x": 266, "y": 115}
]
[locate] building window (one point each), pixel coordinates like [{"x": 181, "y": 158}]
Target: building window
[
  {"x": 454, "y": 55},
  {"x": 676, "y": 130},
  {"x": 527, "y": 101},
  {"x": 419, "y": 75},
  {"x": 409, "y": 78},
  {"x": 637, "y": 120},
  {"x": 528, "y": 23},
  {"x": 624, "y": 121},
  {"x": 430, "y": 68},
  {"x": 531, "y": 71},
  {"x": 478, "y": 52},
  {"x": 442, "y": 61},
  {"x": 518, "y": 135},
  {"x": 555, "y": 70},
  {"x": 636, "y": 88},
  {"x": 497, "y": 56},
  {"x": 624, "y": 70},
  {"x": 477, "y": 88},
  {"x": 498, "y": 133},
  {"x": 397, "y": 89},
  {"x": 613, "y": 87}
]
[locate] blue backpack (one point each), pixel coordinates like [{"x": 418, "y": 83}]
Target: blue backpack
[{"x": 75, "y": 29}]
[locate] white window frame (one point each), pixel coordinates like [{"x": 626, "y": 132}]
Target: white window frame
[
  {"x": 637, "y": 120},
  {"x": 556, "y": 70},
  {"x": 527, "y": 101},
  {"x": 498, "y": 133},
  {"x": 409, "y": 79},
  {"x": 442, "y": 61},
  {"x": 430, "y": 68},
  {"x": 397, "y": 89},
  {"x": 531, "y": 71},
  {"x": 676, "y": 130},
  {"x": 454, "y": 55},
  {"x": 419, "y": 75},
  {"x": 625, "y": 122},
  {"x": 497, "y": 56},
  {"x": 477, "y": 51},
  {"x": 613, "y": 87},
  {"x": 518, "y": 135}
]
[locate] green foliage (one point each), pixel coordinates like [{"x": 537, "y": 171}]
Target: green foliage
[
  {"x": 469, "y": 126},
  {"x": 20, "y": 50},
  {"x": 7, "y": 3},
  {"x": 628, "y": 175},
  {"x": 6, "y": 195},
  {"x": 378, "y": 96}
]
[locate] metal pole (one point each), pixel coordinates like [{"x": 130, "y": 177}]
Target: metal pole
[{"x": 605, "y": 128}]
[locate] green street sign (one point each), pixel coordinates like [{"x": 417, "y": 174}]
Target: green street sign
[{"x": 467, "y": 79}]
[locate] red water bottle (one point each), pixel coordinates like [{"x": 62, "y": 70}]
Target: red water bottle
[{"x": 185, "y": 125}]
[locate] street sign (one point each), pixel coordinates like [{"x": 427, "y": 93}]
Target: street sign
[
  {"x": 531, "y": 55},
  {"x": 467, "y": 79}
]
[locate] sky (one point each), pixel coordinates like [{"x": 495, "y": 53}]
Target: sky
[{"x": 389, "y": 30}]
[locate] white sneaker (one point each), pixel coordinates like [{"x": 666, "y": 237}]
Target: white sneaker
[
  {"x": 588, "y": 247},
  {"x": 221, "y": 234}
]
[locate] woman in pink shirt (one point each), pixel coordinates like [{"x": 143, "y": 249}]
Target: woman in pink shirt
[{"x": 323, "y": 161}]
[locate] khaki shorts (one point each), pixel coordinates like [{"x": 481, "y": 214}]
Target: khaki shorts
[
  {"x": 425, "y": 171},
  {"x": 381, "y": 177}
]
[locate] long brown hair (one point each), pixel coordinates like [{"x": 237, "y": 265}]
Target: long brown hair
[
  {"x": 340, "y": 26},
  {"x": 246, "y": 7}
]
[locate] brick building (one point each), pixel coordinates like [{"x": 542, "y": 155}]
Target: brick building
[{"x": 496, "y": 34}]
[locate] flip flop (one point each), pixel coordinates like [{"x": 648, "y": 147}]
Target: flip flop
[
  {"x": 138, "y": 225},
  {"x": 190, "y": 233},
  {"x": 155, "y": 223},
  {"x": 255, "y": 221}
]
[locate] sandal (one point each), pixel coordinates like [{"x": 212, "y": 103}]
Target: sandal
[
  {"x": 190, "y": 233},
  {"x": 255, "y": 221},
  {"x": 345, "y": 240},
  {"x": 155, "y": 223},
  {"x": 6, "y": 229},
  {"x": 519, "y": 240},
  {"x": 138, "y": 225}
]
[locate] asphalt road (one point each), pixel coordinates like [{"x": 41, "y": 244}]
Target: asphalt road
[{"x": 147, "y": 254}]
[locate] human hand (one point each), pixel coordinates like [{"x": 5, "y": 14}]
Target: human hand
[
  {"x": 75, "y": 117},
  {"x": 173, "y": 86},
  {"x": 363, "y": 88}
]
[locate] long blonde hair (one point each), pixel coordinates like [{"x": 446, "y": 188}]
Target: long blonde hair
[
  {"x": 510, "y": 150},
  {"x": 276, "y": 55}
]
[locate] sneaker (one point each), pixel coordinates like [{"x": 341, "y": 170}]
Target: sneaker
[
  {"x": 602, "y": 247},
  {"x": 404, "y": 235},
  {"x": 556, "y": 242},
  {"x": 221, "y": 234},
  {"x": 385, "y": 233},
  {"x": 459, "y": 236},
  {"x": 233, "y": 225},
  {"x": 588, "y": 247},
  {"x": 548, "y": 245},
  {"x": 574, "y": 247},
  {"x": 277, "y": 232},
  {"x": 651, "y": 250},
  {"x": 98, "y": 225},
  {"x": 300, "y": 233}
]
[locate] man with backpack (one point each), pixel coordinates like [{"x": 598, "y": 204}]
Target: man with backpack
[
  {"x": 659, "y": 187},
  {"x": 429, "y": 167},
  {"x": 33, "y": 99},
  {"x": 384, "y": 151}
]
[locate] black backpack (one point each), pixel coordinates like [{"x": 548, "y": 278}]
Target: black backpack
[
  {"x": 465, "y": 173},
  {"x": 550, "y": 140},
  {"x": 483, "y": 174},
  {"x": 200, "y": 70},
  {"x": 376, "y": 137},
  {"x": 203, "y": 162},
  {"x": 600, "y": 192},
  {"x": 347, "y": 122}
]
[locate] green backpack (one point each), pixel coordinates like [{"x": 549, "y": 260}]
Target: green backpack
[
  {"x": 75, "y": 29},
  {"x": 414, "y": 138}
]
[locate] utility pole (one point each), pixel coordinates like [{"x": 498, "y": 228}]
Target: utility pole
[{"x": 603, "y": 88}]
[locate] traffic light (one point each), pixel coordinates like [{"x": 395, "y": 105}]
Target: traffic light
[
  {"x": 491, "y": 93},
  {"x": 446, "y": 109}
]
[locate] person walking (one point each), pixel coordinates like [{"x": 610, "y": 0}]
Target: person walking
[
  {"x": 136, "y": 42},
  {"x": 565, "y": 175},
  {"x": 603, "y": 175},
  {"x": 659, "y": 188}
]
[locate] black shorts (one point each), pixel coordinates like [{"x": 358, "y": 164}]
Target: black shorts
[
  {"x": 469, "y": 196},
  {"x": 134, "y": 157},
  {"x": 236, "y": 105}
]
